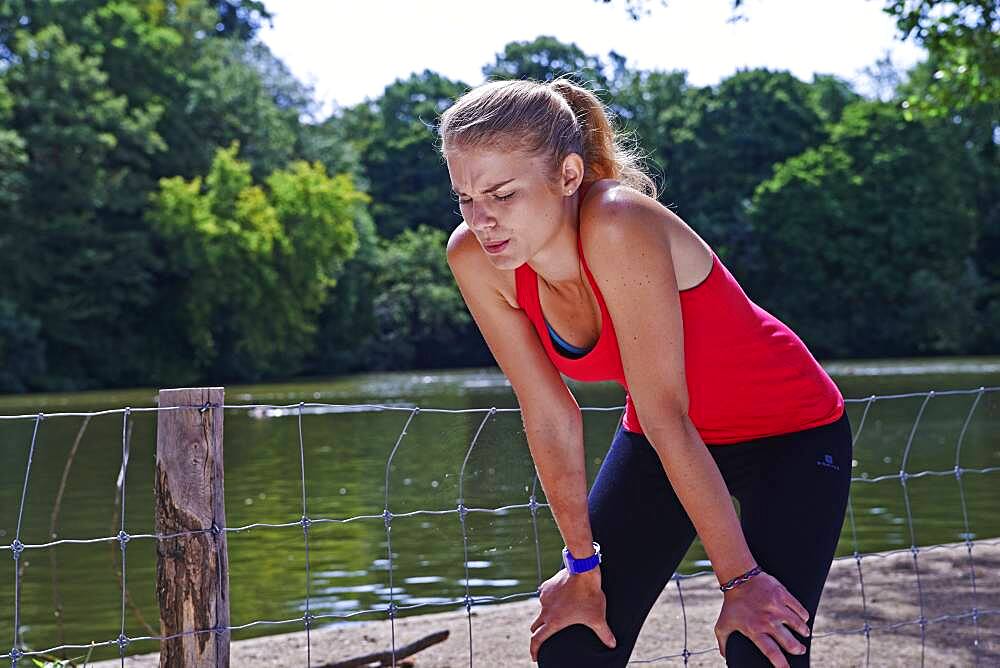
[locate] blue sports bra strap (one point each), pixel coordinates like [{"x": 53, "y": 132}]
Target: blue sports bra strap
[{"x": 569, "y": 347}]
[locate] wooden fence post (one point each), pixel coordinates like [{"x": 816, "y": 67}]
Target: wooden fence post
[{"x": 192, "y": 572}]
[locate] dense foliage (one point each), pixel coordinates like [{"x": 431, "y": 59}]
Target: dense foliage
[{"x": 173, "y": 212}]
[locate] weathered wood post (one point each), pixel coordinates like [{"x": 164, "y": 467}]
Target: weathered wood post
[{"x": 192, "y": 571}]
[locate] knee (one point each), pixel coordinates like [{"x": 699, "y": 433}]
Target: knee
[
  {"x": 741, "y": 652},
  {"x": 578, "y": 645}
]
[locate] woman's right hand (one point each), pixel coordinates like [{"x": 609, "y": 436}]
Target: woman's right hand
[
  {"x": 571, "y": 599},
  {"x": 763, "y": 610}
]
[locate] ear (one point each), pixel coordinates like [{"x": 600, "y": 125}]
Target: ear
[{"x": 571, "y": 174}]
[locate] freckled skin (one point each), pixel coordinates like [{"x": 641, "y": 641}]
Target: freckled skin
[
  {"x": 509, "y": 196},
  {"x": 539, "y": 217}
]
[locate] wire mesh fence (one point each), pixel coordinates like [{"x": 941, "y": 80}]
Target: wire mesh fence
[{"x": 462, "y": 511}]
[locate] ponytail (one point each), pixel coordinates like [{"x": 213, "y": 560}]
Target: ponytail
[{"x": 556, "y": 119}]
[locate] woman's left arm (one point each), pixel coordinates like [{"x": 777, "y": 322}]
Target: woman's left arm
[
  {"x": 631, "y": 261},
  {"x": 625, "y": 238},
  {"x": 759, "y": 608}
]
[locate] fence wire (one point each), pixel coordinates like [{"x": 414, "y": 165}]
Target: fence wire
[{"x": 392, "y": 609}]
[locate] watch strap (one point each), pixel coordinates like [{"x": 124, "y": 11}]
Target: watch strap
[{"x": 576, "y": 566}]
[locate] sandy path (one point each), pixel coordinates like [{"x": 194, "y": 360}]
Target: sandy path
[{"x": 500, "y": 632}]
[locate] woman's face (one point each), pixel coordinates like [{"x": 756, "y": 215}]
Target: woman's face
[{"x": 507, "y": 200}]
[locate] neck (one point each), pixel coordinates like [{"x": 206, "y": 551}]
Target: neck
[{"x": 558, "y": 262}]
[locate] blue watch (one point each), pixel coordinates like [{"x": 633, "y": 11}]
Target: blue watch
[{"x": 575, "y": 566}]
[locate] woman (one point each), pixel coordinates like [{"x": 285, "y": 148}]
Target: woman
[{"x": 568, "y": 265}]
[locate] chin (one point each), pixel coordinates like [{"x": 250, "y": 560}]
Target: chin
[{"x": 506, "y": 262}]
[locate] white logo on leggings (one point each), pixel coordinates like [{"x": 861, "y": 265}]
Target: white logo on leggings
[{"x": 827, "y": 461}]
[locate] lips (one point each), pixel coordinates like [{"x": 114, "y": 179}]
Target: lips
[{"x": 495, "y": 246}]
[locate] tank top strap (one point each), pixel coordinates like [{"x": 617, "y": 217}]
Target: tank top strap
[
  {"x": 590, "y": 277},
  {"x": 526, "y": 281},
  {"x": 524, "y": 276}
]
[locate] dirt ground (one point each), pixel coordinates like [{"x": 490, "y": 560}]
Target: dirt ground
[{"x": 500, "y": 632}]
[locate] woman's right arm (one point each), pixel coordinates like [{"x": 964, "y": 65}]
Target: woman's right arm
[{"x": 553, "y": 423}]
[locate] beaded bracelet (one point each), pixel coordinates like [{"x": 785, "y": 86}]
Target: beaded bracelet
[{"x": 740, "y": 579}]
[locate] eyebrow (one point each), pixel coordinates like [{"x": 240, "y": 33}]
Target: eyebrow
[{"x": 490, "y": 189}]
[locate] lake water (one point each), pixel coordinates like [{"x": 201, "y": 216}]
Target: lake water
[{"x": 345, "y": 472}]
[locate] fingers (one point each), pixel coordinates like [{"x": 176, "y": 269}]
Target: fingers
[
  {"x": 796, "y": 622},
  {"x": 770, "y": 636},
  {"x": 787, "y": 640},
  {"x": 603, "y": 632},
  {"x": 797, "y": 607},
  {"x": 540, "y": 635},
  {"x": 770, "y": 649},
  {"x": 721, "y": 637},
  {"x": 799, "y": 617},
  {"x": 766, "y": 644},
  {"x": 541, "y": 631},
  {"x": 794, "y": 616}
]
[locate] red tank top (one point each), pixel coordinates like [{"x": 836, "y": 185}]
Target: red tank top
[{"x": 748, "y": 374}]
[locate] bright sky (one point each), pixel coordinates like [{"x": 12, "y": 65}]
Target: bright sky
[{"x": 351, "y": 49}]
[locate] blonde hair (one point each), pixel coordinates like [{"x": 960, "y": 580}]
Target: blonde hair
[{"x": 553, "y": 119}]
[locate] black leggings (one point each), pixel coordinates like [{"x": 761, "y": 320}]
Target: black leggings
[{"x": 792, "y": 492}]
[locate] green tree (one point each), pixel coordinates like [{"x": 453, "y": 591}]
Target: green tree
[
  {"x": 420, "y": 315},
  {"x": 973, "y": 131},
  {"x": 962, "y": 38},
  {"x": 730, "y": 139},
  {"x": 89, "y": 278},
  {"x": 545, "y": 58},
  {"x": 963, "y": 41},
  {"x": 13, "y": 158},
  {"x": 239, "y": 18},
  {"x": 864, "y": 241},
  {"x": 212, "y": 91},
  {"x": 107, "y": 97},
  {"x": 346, "y": 325},
  {"x": 249, "y": 268},
  {"x": 328, "y": 143},
  {"x": 394, "y": 135},
  {"x": 22, "y": 352},
  {"x": 830, "y": 95},
  {"x": 226, "y": 101}
]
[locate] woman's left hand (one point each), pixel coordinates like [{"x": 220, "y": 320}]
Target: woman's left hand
[
  {"x": 571, "y": 599},
  {"x": 764, "y": 611}
]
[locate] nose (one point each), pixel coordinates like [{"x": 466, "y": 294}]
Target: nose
[{"x": 479, "y": 216}]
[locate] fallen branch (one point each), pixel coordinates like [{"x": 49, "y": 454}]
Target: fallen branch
[{"x": 385, "y": 658}]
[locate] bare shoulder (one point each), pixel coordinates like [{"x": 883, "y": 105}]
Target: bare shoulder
[
  {"x": 545, "y": 400},
  {"x": 465, "y": 254},
  {"x": 617, "y": 221},
  {"x": 614, "y": 212}
]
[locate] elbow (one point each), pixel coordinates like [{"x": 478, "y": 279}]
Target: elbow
[
  {"x": 553, "y": 424},
  {"x": 671, "y": 424},
  {"x": 665, "y": 416}
]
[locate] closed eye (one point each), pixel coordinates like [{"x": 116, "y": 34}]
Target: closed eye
[{"x": 467, "y": 200}]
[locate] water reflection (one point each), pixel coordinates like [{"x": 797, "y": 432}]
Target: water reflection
[{"x": 346, "y": 451}]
